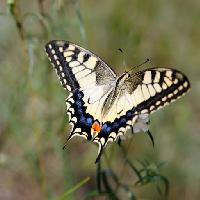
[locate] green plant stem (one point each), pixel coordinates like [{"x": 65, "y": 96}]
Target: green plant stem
[
  {"x": 16, "y": 12},
  {"x": 41, "y": 7},
  {"x": 124, "y": 164},
  {"x": 73, "y": 189}
]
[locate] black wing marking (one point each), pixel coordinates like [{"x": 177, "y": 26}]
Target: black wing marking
[
  {"x": 77, "y": 67},
  {"x": 157, "y": 87}
]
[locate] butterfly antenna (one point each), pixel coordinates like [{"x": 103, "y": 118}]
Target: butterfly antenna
[
  {"x": 146, "y": 61},
  {"x": 123, "y": 59}
]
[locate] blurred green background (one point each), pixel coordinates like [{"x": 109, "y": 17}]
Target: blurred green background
[{"x": 33, "y": 123}]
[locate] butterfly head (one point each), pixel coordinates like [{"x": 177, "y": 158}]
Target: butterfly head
[{"x": 124, "y": 76}]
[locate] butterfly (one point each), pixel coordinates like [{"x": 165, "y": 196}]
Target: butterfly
[{"x": 101, "y": 105}]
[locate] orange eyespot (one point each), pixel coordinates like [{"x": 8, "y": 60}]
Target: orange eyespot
[{"x": 96, "y": 127}]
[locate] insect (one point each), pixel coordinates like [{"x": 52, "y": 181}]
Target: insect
[{"x": 101, "y": 105}]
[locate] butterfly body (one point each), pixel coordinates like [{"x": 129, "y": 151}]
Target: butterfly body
[{"x": 102, "y": 106}]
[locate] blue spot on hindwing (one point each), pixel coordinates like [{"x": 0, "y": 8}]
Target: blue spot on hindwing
[
  {"x": 104, "y": 127},
  {"x": 79, "y": 96},
  {"x": 89, "y": 121},
  {"x": 108, "y": 129},
  {"x": 115, "y": 125},
  {"x": 129, "y": 114},
  {"x": 123, "y": 120},
  {"x": 78, "y": 103},
  {"x": 80, "y": 111},
  {"x": 82, "y": 120}
]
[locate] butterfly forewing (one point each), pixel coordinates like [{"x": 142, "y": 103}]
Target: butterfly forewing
[
  {"x": 156, "y": 88},
  {"x": 77, "y": 67}
]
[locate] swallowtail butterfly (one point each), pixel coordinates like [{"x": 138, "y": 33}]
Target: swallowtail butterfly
[{"x": 101, "y": 105}]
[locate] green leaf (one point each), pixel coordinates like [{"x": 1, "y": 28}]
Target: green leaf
[
  {"x": 99, "y": 176},
  {"x": 91, "y": 195},
  {"x": 166, "y": 182},
  {"x": 11, "y": 6},
  {"x": 73, "y": 189}
]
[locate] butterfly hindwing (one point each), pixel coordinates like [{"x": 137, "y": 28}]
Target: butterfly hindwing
[{"x": 146, "y": 92}]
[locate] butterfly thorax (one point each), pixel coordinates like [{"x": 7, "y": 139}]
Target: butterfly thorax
[
  {"x": 120, "y": 80},
  {"x": 117, "y": 90},
  {"x": 109, "y": 106}
]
